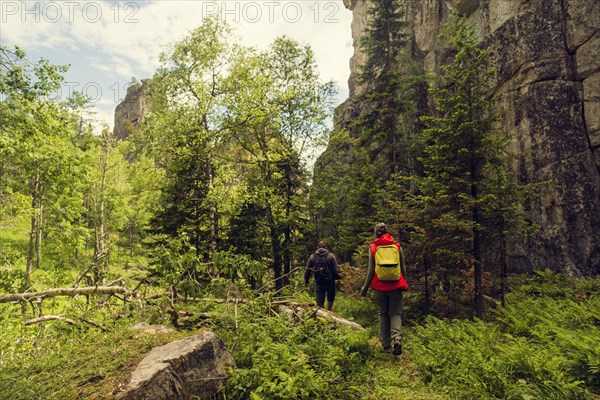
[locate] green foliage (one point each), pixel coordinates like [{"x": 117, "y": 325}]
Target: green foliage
[
  {"x": 57, "y": 361},
  {"x": 308, "y": 359},
  {"x": 537, "y": 348},
  {"x": 237, "y": 266},
  {"x": 176, "y": 262}
]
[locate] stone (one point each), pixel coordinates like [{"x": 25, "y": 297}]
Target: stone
[
  {"x": 131, "y": 111},
  {"x": 553, "y": 114},
  {"x": 529, "y": 47},
  {"x": 591, "y": 108},
  {"x": 143, "y": 327},
  {"x": 582, "y": 21},
  {"x": 190, "y": 368},
  {"x": 597, "y": 157},
  {"x": 547, "y": 119},
  {"x": 501, "y": 11},
  {"x": 427, "y": 25},
  {"x": 587, "y": 57},
  {"x": 359, "y": 21}
]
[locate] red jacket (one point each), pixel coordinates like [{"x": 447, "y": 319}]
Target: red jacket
[{"x": 386, "y": 286}]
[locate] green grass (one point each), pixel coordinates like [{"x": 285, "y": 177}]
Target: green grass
[
  {"x": 59, "y": 361},
  {"x": 544, "y": 345}
]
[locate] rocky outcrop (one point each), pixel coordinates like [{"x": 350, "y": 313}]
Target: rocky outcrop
[
  {"x": 131, "y": 111},
  {"x": 194, "y": 367},
  {"x": 547, "y": 59}
]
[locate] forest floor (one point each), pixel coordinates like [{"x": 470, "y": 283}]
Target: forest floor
[{"x": 544, "y": 345}]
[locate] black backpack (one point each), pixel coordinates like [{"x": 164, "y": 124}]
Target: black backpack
[{"x": 322, "y": 273}]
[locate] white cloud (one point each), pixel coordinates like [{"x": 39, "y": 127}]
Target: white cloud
[{"x": 108, "y": 42}]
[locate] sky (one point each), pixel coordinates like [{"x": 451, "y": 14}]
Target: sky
[{"x": 107, "y": 43}]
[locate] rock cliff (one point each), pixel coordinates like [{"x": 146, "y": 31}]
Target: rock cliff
[
  {"x": 131, "y": 111},
  {"x": 547, "y": 57}
]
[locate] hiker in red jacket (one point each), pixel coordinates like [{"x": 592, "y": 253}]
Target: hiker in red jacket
[{"x": 386, "y": 276}]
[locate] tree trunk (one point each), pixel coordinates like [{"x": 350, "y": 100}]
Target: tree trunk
[
  {"x": 276, "y": 248},
  {"x": 38, "y": 237},
  {"x": 287, "y": 241},
  {"x": 100, "y": 245},
  {"x": 100, "y": 239},
  {"x": 504, "y": 271},
  {"x": 427, "y": 294},
  {"x": 477, "y": 272},
  {"x": 35, "y": 193},
  {"x": 7, "y": 298},
  {"x": 214, "y": 216}
]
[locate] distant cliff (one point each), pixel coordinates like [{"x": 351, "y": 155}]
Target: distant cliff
[
  {"x": 547, "y": 57},
  {"x": 131, "y": 111}
]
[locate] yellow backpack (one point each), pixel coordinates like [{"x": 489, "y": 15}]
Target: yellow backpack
[{"x": 387, "y": 263}]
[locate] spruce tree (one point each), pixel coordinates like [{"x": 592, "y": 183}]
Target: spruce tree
[
  {"x": 464, "y": 190},
  {"x": 373, "y": 145},
  {"x": 387, "y": 78}
]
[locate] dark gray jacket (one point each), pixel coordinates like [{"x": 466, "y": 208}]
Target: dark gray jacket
[{"x": 331, "y": 264}]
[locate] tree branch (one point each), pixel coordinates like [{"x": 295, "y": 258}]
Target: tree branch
[
  {"x": 45, "y": 318},
  {"x": 6, "y": 298}
]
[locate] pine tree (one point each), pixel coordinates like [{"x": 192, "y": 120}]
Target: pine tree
[
  {"x": 375, "y": 144},
  {"x": 465, "y": 184}
]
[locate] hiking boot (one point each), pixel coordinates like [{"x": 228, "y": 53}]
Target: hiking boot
[{"x": 397, "y": 349}]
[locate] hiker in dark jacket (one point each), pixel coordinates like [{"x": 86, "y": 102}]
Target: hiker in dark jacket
[
  {"x": 388, "y": 293},
  {"x": 323, "y": 265}
]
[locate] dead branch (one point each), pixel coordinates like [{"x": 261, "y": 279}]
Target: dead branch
[
  {"x": 179, "y": 298},
  {"x": 6, "y": 298},
  {"x": 87, "y": 321},
  {"x": 45, "y": 318}
]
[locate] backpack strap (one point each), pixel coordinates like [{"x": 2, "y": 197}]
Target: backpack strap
[{"x": 373, "y": 248}]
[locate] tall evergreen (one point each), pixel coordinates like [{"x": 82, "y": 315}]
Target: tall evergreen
[
  {"x": 466, "y": 186},
  {"x": 375, "y": 143},
  {"x": 383, "y": 77}
]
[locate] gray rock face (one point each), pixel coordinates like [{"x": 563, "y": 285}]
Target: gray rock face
[
  {"x": 131, "y": 111},
  {"x": 547, "y": 59},
  {"x": 194, "y": 367}
]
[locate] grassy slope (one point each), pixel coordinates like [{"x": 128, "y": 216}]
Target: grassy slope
[
  {"x": 546, "y": 344},
  {"x": 522, "y": 355}
]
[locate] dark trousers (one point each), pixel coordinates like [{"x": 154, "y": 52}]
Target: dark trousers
[
  {"x": 390, "y": 316},
  {"x": 322, "y": 290}
]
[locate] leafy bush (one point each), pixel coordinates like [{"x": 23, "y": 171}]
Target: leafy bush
[
  {"x": 538, "y": 348},
  {"x": 307, "y": 359}
]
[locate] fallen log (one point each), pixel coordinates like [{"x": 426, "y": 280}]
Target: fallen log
[
  {"x": 339, "y": 320},
  {"x": 7, "y": 298},
  {"x": 295, "y": 310}
]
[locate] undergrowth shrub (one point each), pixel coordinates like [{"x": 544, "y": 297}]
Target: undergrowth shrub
[
  {"x": 305, "y": 359},
  {"x": 57, "y": 361},
  {"x": 545, "y": 347}
]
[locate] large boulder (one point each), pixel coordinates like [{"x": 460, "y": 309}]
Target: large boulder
[{"x": 194, "y": 367}]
